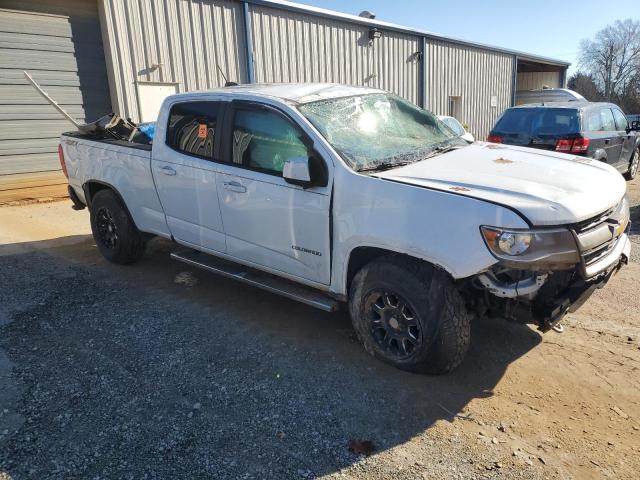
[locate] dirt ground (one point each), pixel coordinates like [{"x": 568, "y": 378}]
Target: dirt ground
[{"x": 120, "y": 372}]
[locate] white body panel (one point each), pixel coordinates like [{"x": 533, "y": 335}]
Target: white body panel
[
  {"x": 431, "y": 209},
  {"x": 128, "y": 170},
  {"x": 267, "y": 222}
]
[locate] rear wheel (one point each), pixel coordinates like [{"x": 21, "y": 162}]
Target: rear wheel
[
  {"x": 116, "y": 236},
  {"x": 410, "y": 315},
  {"x": 633, "y": 165}
]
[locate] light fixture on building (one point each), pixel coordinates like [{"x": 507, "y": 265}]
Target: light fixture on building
[
  {"x": 374, "y": 33},
  {"x": 367, "y": 14}
]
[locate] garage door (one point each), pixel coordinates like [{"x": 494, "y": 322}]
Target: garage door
[{"x": 59, "y": 43}]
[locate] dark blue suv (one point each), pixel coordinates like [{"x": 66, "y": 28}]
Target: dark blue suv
[{"x": 596, "y": 130}]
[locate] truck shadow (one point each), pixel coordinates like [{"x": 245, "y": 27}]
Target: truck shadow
[{"x": 213, "y": 379}]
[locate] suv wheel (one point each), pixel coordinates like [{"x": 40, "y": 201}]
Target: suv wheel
[
  {"x": 116, "y": 236},
  {"x": 633, "y": 165},
  {"x": 410, "y": 315}
]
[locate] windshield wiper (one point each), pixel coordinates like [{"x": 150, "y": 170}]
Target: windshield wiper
[
  {"x": 442, "y": 149},
  {"x": 378, "y": 167}
]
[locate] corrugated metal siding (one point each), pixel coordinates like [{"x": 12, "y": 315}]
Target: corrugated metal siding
[
  {"x": 195, "y": 40},
  {"x": 58, "y": 42},
  {"x": 537, "y": 80},
  {"x": 473, "y": 74},
  {"x": 295, "y": 47}
]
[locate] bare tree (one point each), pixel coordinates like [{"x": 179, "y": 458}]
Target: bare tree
[
  {"x": 613, "y": 57},
  {"x": 585, "y": 85}
]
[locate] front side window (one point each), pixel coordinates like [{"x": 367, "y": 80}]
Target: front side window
[
  {"x": 621, "y": 120},
  {"x": 264, "y": 140},
  {"x": 379, "y": 128},
  {"x": 192, "y": 128}
]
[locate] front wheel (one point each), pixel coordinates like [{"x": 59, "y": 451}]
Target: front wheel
[
  {"x": 410, "y": 315},
  {"x": 633, "y": 165},
  {"x": 116, "y": 236}
]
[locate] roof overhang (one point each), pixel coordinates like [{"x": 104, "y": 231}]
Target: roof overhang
[{"x": 323, "y": 12}]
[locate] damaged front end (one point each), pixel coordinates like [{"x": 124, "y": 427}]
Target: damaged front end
[{"x": 544, "y": 274}]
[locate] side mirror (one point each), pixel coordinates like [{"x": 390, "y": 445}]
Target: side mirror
[
  {"x": 306, "y": 172},
  {"x": 635, "y": 125}
]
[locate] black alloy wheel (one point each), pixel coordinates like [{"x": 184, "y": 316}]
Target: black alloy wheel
[
  {"x": 107, "y": 228},
  {"x": 393, "y": 323}
]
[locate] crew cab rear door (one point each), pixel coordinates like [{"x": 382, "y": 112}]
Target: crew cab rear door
[
  {"x": 267, "y": 221},
  {"x": 184, "y": 170}
]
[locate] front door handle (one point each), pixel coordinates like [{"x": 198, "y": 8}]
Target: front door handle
[
  {"x": 606, "y": 142},
  {"x": 235, "y": 187},
  {"x": 167, "y": 170}
]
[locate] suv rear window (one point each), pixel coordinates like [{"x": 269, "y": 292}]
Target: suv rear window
[{"x": 539, "y": 121}]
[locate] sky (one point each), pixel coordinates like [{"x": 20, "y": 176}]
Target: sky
[{"x": 548, "y": 28}]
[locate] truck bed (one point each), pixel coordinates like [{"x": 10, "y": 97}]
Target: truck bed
[{"x": 109, "y": 140}]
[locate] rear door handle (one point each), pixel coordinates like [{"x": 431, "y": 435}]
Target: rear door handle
[
  {"x": 235, "y": 187},
  {"x": 167, "y": 170}
]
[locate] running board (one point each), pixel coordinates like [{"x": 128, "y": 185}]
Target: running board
[{"x": 256, "y": 278}]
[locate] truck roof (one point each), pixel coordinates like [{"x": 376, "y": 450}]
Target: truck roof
[{"x": 291, "y": 92}]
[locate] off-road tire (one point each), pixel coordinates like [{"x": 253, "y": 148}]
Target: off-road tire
[
  {"x": 129, "y": 243},
  {"x": 445, "y": 324},
  {"x": 633, "y": 165}
]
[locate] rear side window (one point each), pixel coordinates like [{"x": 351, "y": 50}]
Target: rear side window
[
  {"x": 192, "y": 128},
  {"x": 608, "y": 123},
  {"x": 264, "y": 140},
  {"x": 593, "y": 121},
  {"x": 539, "y": 121}
]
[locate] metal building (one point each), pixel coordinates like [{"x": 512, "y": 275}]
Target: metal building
[{"x": 97, "y": 56}]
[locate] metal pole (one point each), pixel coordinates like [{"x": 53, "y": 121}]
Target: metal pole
[
  {"x": 422, "y": 74},
  {"x": 514, "y": 80},
  {"x": 248, "y": 40},
  {"x": 53, "y": 103}
]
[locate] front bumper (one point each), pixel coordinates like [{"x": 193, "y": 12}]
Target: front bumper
[
  {"x": 622, "y": 248},
  {"x": 577, "y": 293},
  {"x": 544, "y": 299}
]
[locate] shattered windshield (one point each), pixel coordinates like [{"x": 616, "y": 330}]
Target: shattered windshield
[{"x": 379, "y": 130}]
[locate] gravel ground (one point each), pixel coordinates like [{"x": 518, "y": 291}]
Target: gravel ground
[{"x": 120, "y": 372}]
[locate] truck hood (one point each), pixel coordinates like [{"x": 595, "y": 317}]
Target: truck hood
[{"x": 548, "y": 188}]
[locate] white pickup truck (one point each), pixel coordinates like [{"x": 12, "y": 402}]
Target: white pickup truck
[{"x": 329, "y": 194}]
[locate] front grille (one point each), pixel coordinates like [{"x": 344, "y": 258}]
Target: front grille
[
  {"x": 592, "y": 256},
  {"x": 598, "y": 235},
  {"x": 593, "y": 222}
]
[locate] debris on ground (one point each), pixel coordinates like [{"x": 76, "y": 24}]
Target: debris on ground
[
  {"x": 361, "y": 447},
  {"x": 187, "y": 279}
]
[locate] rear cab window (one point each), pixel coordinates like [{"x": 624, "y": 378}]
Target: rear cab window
[
  {"x": 192, "y": 128},
  {"x": 539, "y": 121}
]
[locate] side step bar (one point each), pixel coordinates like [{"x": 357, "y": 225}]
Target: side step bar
[{"x": 256, "y": 278}]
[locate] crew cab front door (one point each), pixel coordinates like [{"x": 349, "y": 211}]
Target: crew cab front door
[{"x": 267, "y": 221}]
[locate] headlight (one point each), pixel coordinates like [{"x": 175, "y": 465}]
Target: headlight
[
  {"x": 509, "y": 243},
  {"x": 532, "y": 248}
]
